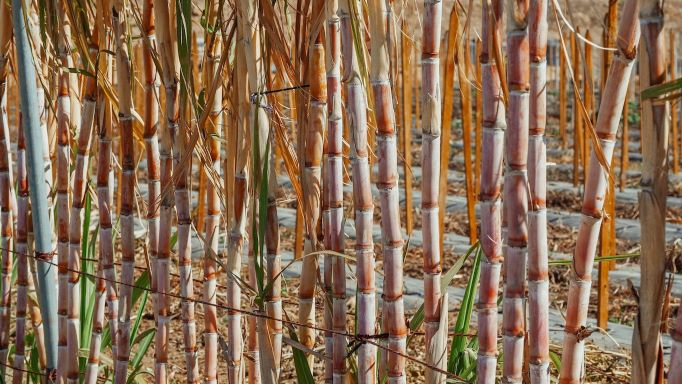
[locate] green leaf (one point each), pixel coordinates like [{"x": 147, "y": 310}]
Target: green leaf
[
  {"x": 141, "y": 286},
  {"x": 303, "y": 372},
  {"x": 87, "y": 283},
  {"x": 556, "y": 360},
  {"x": 459, "y": 342},
  {"x": 144, "y": 341},
  {"x": 663, "y": 89}
]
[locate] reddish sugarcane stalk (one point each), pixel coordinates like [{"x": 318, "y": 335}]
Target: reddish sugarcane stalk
[
  {"x": 538, "y": 272},
  {"x": 21, "y": 249},
  {"x": 151, "y": 139},
  {"x": 63, "y": 182},
  {"x": 393, "y": 315},
  {"x": 273, "y": 297},
  {"x": 334, "y": 235},
  {"x": 212, "y": 218},
  {"x": 435, "y": 331},
  {"x": 646, "y": 339},
  {"x": 312, "y": 180},
  {"x": 516, "y": 192},
  {"x": 5, "y": 185},
  {"x": 494, "y": 125},
  {"x": 606, "y": 129},
  {"x": 125, "y": 126},
  {"x": 363, "y": 206},
  {"x": 80, "y": 177}
]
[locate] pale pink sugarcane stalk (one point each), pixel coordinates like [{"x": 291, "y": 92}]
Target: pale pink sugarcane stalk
[
  {"x": 127, "y": 210},
  {"x": 164, "y": 14},
  {"x": 212, "y": 220},
  {"x": 363, "y": 206},
  {"x": 5, "y": 184},
  {"x": 538, "y": 273},
  {"x": 34, "y": 299},
  {"x": 26, "y": 294},
  {"x": 105, "y": 291},
  {"x": 273, "y": 297},
  {"x": 238, "y": 218},
  {"x": 105, "y": 182},
  {"x": 312, "y": 180},
  {"x": 80, "y": 178},
  {"x": 258, "y": 126},
  {"x": 435, "y": 331},
  {"x": 611, "y": 107},
  {"x": 515, "y": 192},
  {"x": 63, "y": 183},
  {"x": 655, "y": 126},
  {"x": 494, "y": 125},
  {"x": 334, "y": 235},
  {"x": 393, "y": 316}
]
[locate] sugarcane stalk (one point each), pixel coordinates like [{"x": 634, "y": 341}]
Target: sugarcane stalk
[
  {"x": 164, "y": 15},
  {"x": 515, "y": 192},
  {"x": 432, "y": 191},
  {"x": 37, "y": 188},
  {"x": 334, "y": 235},
  {"x": 538, "y": 271},
  {"x": 63, "y": 184},
  {"x": 237, "y": 233},
  {"x": 80, "y": 177},
  {"x": 212, "y": 219},
  {"x": 646, "y": 340},
  {"x": 105, "y": 183},
  {"x": 447, "y": 99},
  {"x": 151, "y": 139},
  {"x": 33, "y": 303},
  {"x": 273, "y": 297},
  {"x": 606, "y": 129},
  {"x": 5, "y": 190},
  {"x": 125, "y": 126},
  {"x": 393, "y": 315},
  {"x": 625, "y": 141},
  {"x": 311, "y": 180},
  {"x": 407, "y": 83},
  {"x": 588, "y": 92},
  {"x": 21, "y": 249},
  {"x": 494, "y": 126},
  {"x": 363, "y": 206},
  {"x": 562, "y": 102},
  {"x": 578, "y": 143}
]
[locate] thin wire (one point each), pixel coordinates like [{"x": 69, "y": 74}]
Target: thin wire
[{"x": 358, "y": 338}]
